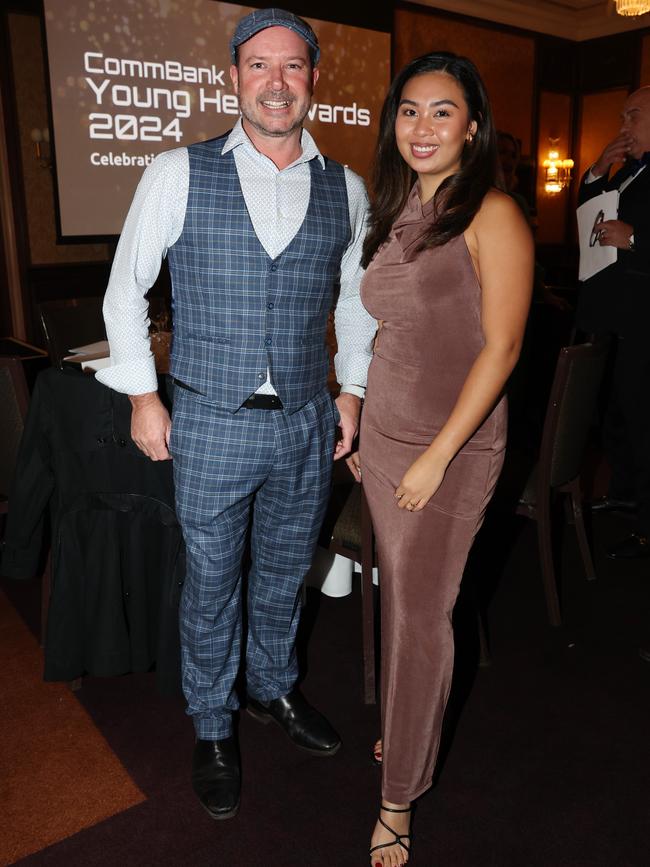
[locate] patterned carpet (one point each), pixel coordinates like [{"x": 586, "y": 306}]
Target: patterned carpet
[
  {"x": 59, "y": 775},
  {"x": 546, "y": 760}
]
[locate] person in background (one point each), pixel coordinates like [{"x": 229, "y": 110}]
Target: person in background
[
  {"x": 548, "y": 327},
  {"x": 257, "y": 226},
  {"x": 616, "y": 301},
  {"x": 449, "y": 275},
  {"x": 509, "y": 154}
]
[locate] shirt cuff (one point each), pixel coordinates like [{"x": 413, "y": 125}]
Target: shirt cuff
[
  {"x": 357, "y": 390},
  {"x": 136, "y": 376}
]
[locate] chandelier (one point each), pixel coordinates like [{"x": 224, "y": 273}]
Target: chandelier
[{"x": 632, "y": 7}]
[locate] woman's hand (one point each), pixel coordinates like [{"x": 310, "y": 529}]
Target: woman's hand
[{"x": 420, "y": 482}]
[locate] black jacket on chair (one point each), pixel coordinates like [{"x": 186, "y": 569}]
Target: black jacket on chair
[
  {"x": 617, "y": 299},
  {"x": 117, "y": 550}
]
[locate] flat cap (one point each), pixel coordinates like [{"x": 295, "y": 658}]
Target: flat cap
[{"x": 260, "y": 19}]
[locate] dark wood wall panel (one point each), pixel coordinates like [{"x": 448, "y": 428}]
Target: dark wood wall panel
[
  {"x": 609, "y": 62},
  {"x": 645, "y": 60},
  {"x": 557, "y": 64}
]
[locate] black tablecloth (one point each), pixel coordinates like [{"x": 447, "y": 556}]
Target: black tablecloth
[{"x": 117, "y": 550}]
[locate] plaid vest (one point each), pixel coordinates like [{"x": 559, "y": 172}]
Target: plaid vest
[{"x": 237, "y": 311}]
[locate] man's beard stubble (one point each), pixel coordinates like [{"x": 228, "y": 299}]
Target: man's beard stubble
[{"x": 277, "y": 97}]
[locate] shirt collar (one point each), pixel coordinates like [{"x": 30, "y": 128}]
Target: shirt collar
[{"x": 238, "y": 138}]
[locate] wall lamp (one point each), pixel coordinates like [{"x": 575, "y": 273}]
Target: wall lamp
[{"x": 557, "y": 172}]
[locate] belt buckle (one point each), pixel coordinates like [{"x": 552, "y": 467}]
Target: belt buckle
[{"x": 263, "y": 401}]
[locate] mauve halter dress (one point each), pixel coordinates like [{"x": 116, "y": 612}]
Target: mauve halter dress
[{"x": 430, "y": 305}]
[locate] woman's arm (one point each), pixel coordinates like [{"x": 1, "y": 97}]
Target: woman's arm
[{"x": 501, "y": 247}]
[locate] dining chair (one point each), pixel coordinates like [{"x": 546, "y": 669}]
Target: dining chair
[
  {"x": 569, "y": 417},
  {"x": 347, "y": 530},
  {"x": 70, "y": 322}
]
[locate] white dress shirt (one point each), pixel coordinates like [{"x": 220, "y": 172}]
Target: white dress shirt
[
  {"x": 277, "y": 202},
  {"x": 591, "y": 177}
]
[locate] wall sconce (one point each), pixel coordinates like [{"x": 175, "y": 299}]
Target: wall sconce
[
  {"x": 41, "y": 139},
  {"x": 557, "y": 172},
  {"x": 632, "y": 7}
]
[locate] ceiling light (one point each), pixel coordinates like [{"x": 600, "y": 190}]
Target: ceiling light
[{"x": 632, "y": 7}]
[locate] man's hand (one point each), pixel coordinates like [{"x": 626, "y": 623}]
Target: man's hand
[
  {"x": 615, "y": 233},
  {"x": 354, "y": 465},
  {"x": 616, "y": 151},
  {"x": 349, "y": 407},
  {"x": 150, "y": 425}
]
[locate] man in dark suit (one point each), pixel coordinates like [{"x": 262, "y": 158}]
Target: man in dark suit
[{"x": 617, "y": 301}]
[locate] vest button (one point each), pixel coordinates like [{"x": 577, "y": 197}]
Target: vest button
[
  {"x": 274, "y": 267},
  {"x": 270, "y": 305},
  {"x": 260, "y": 376},
  {"x": 268, "y": 341}
]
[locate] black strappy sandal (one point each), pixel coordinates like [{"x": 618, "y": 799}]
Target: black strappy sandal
[{"x": 398, "y": 837}]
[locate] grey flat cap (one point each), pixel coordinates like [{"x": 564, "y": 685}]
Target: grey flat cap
[{"x": 260, "y": 19}]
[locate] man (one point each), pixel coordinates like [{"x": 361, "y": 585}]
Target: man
[
  {"x": 617, "y": 301},
  {"x": 257, "y": 226}
]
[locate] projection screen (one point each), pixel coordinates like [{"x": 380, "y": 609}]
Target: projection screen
[{"x": 131, "y": 78}]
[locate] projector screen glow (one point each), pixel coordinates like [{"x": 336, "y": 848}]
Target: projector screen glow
[{"x": 132, "y": 78}]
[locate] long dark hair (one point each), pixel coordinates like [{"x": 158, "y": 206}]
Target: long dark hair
[{"x": 459, "y": 196}]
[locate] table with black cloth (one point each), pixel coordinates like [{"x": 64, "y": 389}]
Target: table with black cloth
[{"x": 117, "y": 549}]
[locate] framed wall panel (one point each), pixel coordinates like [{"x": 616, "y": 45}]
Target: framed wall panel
[
  {"x": 554, "y": 122},
  {"x": 600, "y": 122}
]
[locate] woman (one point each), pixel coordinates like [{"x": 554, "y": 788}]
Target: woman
[{"x": 449, "y": 271}]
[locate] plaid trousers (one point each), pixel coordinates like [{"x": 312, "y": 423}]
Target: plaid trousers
[{"x": 225, "y": 464}]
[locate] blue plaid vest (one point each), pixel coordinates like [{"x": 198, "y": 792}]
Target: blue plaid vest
[{"x": 236, "y": 311}]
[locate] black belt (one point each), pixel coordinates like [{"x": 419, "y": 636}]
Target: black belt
[
  {"x": 255, "y": 401},
  {"x": 262, "y": 401}
]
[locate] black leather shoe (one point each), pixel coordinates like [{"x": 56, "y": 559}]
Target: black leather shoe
[
  {"x": 216, "y": 777},
  {"x": 644, "y": 653},
  {"x": 632, "y": 547},
  {"x": 612, "y": 504},
  {"x": 306, "y": 727}
]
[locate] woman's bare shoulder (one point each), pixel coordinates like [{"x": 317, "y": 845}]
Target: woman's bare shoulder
[
  {"x": 498, "y": 211},
  {"x": 498, "y": 204}
]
